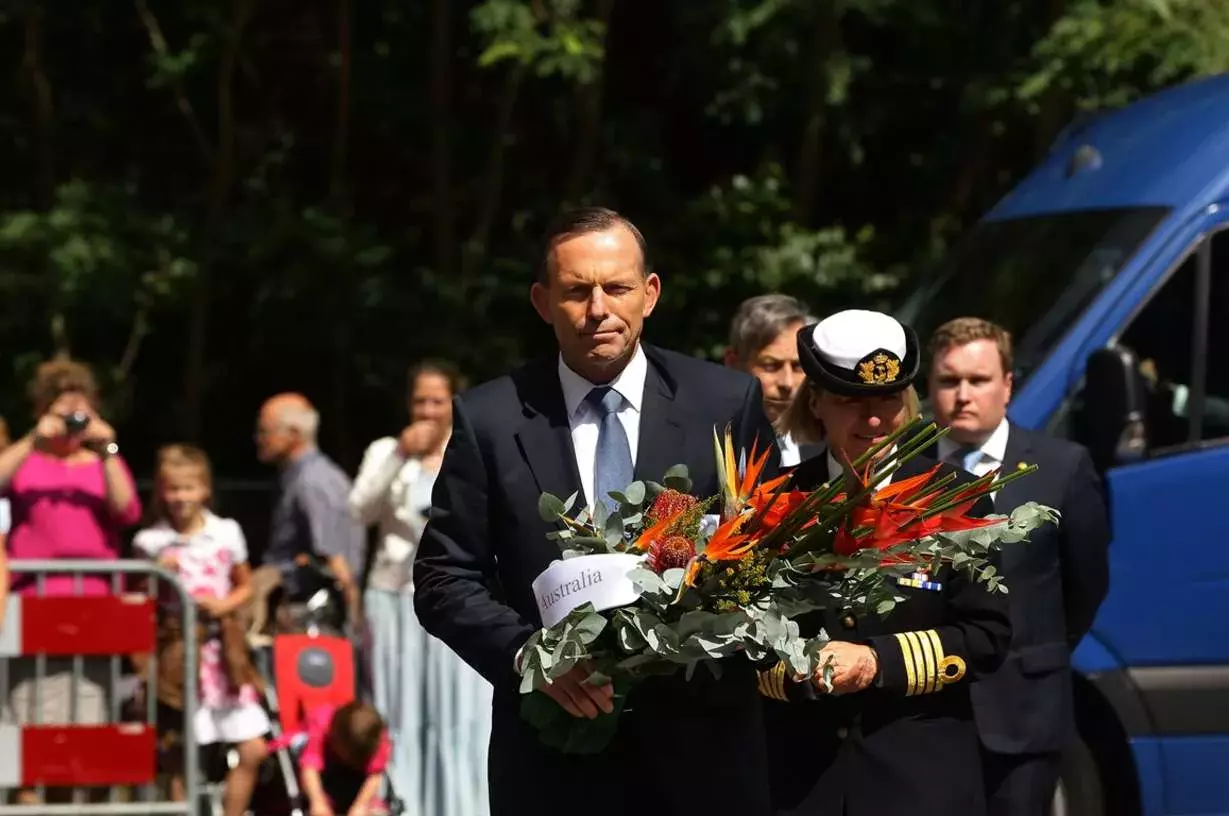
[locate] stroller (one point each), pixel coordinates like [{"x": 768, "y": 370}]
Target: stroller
[{"x": 304, "y": 672}]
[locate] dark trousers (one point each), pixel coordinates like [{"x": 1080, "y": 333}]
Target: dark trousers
[
  {"x": 682, "y": 749},
  {"x": 1019, "y": 784}
]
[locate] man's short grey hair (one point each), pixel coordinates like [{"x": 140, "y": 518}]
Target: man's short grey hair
[
  {"x": 760, "y": 319},
  {"x": 304, "y": 420}
]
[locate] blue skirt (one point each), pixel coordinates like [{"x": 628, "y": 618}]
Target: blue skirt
[{"x": 438, "y": 711}]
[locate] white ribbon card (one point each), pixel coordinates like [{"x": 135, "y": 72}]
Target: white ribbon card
[{"x": 597, "y": 579}]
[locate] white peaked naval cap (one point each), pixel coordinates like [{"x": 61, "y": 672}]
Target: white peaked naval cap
[
  {"x": 846, "y": 338},
  {"x": 859, "y": 353}
]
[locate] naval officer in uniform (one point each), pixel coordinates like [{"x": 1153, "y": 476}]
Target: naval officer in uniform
[{"x": 896, "y": 733}]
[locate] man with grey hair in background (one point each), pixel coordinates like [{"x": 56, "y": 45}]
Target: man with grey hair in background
[
  {"x": 311, "y": 515},
  {"x": 764, "y": 343}
]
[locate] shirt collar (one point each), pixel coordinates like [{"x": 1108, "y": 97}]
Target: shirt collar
[
  {"x": 993, "y": 449},
  {"x": 208, "y": 530},
  {"x": 291, "y": 470},
  {"x": 629, "y": 383}
]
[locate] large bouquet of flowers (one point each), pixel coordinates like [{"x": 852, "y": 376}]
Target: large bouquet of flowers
[{"x": 667, "y": 581}]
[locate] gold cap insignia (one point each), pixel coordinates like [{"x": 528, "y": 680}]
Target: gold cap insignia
[{"x": 880, "y": 368}]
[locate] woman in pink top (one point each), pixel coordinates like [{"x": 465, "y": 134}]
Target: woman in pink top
[{"x": 70, "y": 494}]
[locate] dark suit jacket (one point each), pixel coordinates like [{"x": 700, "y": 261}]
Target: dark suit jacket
[
  {"x": 486, "y": 543},
  {"x": 886, "y": 750},
  {"x": 1057, "y": 580}
]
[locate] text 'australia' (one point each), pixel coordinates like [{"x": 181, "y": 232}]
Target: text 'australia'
[{"x": 587, "y": 578}]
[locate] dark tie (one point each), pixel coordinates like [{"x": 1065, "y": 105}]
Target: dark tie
[
  {"x": 965, "y": 458},
  {"x": 612, "y": 463}
]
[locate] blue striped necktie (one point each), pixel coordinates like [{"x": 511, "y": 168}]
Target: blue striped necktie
[{"x": 612, "y": 463}]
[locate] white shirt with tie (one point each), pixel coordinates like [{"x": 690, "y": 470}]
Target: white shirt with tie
[
  {"x": 585, "y": 421},
  {"x": 989, "y": 456}
]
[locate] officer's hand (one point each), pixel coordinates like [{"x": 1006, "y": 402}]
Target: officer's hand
[
  {"x": 854, "y": 666},
  {"x": 578, "y": 698}
]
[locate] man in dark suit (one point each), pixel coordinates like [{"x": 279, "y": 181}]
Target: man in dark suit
[
  {"x": 587, "y": 420},
  {"x": 764, "y": 343},
  {"x": 1057, "y": 579}
]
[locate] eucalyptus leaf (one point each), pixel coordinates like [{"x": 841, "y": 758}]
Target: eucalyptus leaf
[
  {"x": 635, "y": 493},
  {"x": 600, "y": 512},
  {"x": 590, "y": 627},
  {"x": 550, "y": 507},
  {"x": 682, "y": 483},
  {"x": 614, "y": 528},
  {"x": 677, "y": 472},
  {"x": 598, "y": 678}
]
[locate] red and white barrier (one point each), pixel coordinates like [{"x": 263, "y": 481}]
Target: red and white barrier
[{"x": 77, "y": 755}]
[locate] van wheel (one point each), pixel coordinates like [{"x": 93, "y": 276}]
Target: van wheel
[{"x": 1079, "y": 791}]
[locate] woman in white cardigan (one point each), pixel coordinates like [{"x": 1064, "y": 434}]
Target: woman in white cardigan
[{"x": 438, "y": 708}]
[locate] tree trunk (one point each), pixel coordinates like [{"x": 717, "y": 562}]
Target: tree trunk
[
  {"x": 338, "y": 187},
  {"x": 183, "y": 103},
  {"x": 219, "y": 191},
  {"x": 826, "y": 41},
  {"x": 476, "y": 247},
  {"x": 42, "y": 193},
  {"x": 1054, "y": 105},
  {"x": 441, "y": 138},
  {"x": 589, "y": 115},
  {"x": 341, "y": 124}
]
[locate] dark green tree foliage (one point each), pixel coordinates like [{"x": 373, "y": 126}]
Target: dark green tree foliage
[{"x": 212, "y": 200}]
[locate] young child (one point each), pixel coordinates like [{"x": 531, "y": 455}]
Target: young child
[
  {"x": 342, "y": 766},
  {"x": 210, "y": 556}
]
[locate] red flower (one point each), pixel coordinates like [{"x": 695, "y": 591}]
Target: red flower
[
  {"x": 896, "y": 515},
  {"x": 669, "y": 504},
  {"x": 671, "y": 552}
]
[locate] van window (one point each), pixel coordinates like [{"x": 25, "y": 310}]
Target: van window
[
  {"x": 1162, "y": 337},
  {"x": 1032, "y": 276}
]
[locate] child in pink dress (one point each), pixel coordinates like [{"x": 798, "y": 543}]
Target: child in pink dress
[
  {"x": 209, "y": 554},
  {"x": 342, "y": 766}
]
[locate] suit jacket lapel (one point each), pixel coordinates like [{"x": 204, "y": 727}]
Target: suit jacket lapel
[
  {"x": 1017, "y": 453},
  {"x": 545, "y": 437},
  {"x": 663, "y": 431}
]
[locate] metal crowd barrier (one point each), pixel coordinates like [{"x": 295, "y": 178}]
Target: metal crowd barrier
[{"x": 119, "y": 757}]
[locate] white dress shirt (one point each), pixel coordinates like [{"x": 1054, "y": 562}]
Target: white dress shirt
[
  {"x": 585, "y": 421},
  {"x": 394, "y": 493},
  {"x": 791, "y": 454},
  {"x": 993, "y": 450}
]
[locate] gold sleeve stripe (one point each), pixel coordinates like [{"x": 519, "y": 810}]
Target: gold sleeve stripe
[
  {"x": 919, "y": 664},
  {"x": 771, "y": 683},
  {"x": 933, "y": 636},
  {"x": 927, "y": 668},
  {"x": 932, "y": 664},
  {"x": 906, "y": 654}
]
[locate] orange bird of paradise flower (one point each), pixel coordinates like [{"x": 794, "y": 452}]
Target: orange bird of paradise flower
[{"x": 899, "y": 513}]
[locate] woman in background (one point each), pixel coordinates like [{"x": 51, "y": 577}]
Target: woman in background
[
  {"x": 70, "y": 495},
  {"x": 5, "y": 517},
  {"x": 437, "y": 707}
]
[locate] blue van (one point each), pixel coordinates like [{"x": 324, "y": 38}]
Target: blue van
[{"x": 1110, "y": 266}]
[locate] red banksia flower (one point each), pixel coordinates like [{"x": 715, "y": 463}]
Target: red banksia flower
[
  {"x": 669, "y": 504},
  {"x": 671, "y": 552}
]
